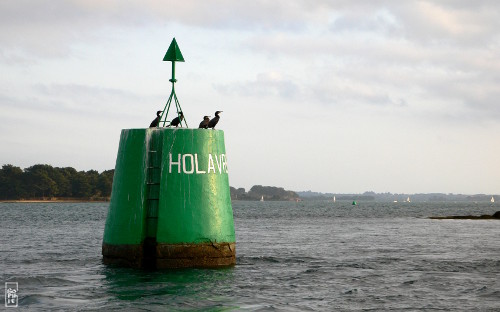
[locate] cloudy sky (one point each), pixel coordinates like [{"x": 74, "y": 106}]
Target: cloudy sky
[{"x": 329, "y": 96}]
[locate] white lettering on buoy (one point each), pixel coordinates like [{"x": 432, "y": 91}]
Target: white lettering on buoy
[
  {"x": 178, "y": 163},
  {"x": 196, "y": 163},
  {"x": 184, "y": 163},
  {"x": 190, "y": 164},
  {"x": 210, "y": 161},
  {"x": 219, "y": 164},
  {"x": 224, "y": 162}
]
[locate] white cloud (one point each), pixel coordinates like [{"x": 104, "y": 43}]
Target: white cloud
[{"x": 334, "y": 84}]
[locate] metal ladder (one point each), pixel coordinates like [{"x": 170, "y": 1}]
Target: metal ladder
[{"x": 153, "y": 180}]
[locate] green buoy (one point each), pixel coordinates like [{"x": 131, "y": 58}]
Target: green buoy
[
  {"x": 170, "y": 203},
  {"x": 354, "y": 203}
]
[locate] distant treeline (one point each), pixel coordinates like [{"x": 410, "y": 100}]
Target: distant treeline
[
  {"x": 258, "y": 192},
  {"x": 47, "y": 182}
]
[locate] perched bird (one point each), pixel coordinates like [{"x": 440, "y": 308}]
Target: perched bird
[
  {"x": 155, "y": 122},
  {"x": 177, "y": 120},
  {"x": 204, "y": 123},
  {"x": 215, "y": 120}
]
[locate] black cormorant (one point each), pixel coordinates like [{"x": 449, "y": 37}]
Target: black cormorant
[
  {"x": 215, "y": 120},
  {"x": 177, "y": 120},
  {"x": 204, "y": 123},
  {"x": 155, "y": 122}
]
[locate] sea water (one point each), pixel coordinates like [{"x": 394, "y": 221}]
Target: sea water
[{"x": 305, "y": 256}]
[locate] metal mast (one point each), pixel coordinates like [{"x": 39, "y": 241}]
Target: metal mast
[{"x": 173, "y": 55}]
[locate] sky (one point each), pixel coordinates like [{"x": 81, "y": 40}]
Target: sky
[{"x": 328, "y": 96}]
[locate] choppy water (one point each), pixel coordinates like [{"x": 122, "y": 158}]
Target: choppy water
[{"x": 290, "y": 256}]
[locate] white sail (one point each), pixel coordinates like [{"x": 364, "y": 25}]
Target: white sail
[
  {"x": 262, "y": 198},
  {"x": 333, "y": 198},
  {"x": 492, "y": 199}
]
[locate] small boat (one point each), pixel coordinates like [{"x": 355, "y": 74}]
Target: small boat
[
  {"x": 262, "y": 198},
  {"x": 354, "y": 203},
  {"x": 408, "y": 200},
  {"x": 334, "y": 199},
  {"x": 492, "y": 199}
]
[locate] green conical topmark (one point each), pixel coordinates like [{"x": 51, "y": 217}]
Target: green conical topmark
[{"x": 173, "y": 53}]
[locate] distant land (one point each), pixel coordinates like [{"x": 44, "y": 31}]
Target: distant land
[
  {"x": 278, "y": 193},
  {"x": 266, "y": 193},
  {"x": 402, "y": 197},
  {"x": 44, "y": 182}
]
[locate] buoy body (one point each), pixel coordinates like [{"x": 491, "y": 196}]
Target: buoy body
[{"x": 170, "y": 202}]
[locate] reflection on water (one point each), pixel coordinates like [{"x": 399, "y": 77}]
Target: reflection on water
[{"x": 182, "y": 288}]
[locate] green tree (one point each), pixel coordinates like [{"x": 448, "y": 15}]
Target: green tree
[
  {"x": 62, "y": 181},
  {"x": 69, "y": 174},
  {"x": 105, "y": 182},
  {"x": 93, "y": 179},
  {"x": 39, "y": 180},
  {"x": 11, "y": 182},
  {"x": 80, "y": 185}
]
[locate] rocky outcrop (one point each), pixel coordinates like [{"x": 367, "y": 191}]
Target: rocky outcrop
[{"x": 495, "y": 216}]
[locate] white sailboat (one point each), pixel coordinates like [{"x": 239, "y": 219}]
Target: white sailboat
[
  {"x": 492, "y": 199},
  {"x": 334, "y": 199},
  {"x": 408, "y": 200},
  {"x": 262, "y": 198}
]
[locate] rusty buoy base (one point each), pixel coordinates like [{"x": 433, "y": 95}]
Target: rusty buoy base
[{"x": 162, "y": 256}]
